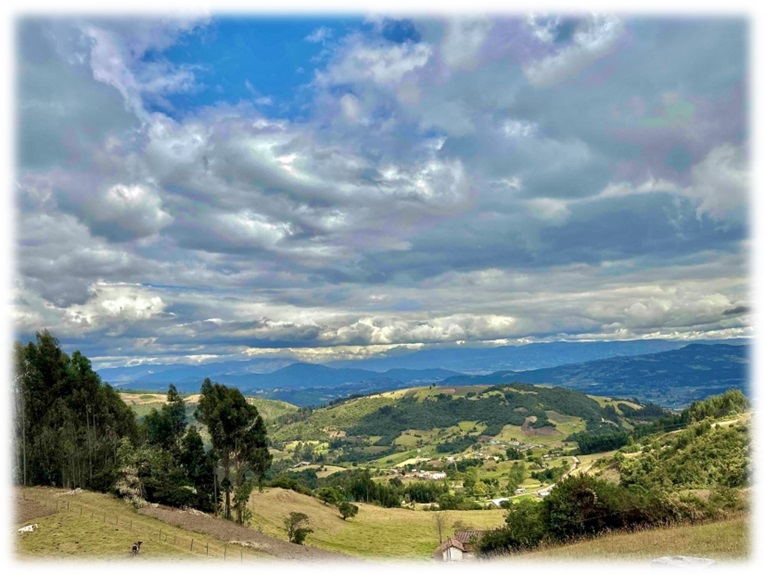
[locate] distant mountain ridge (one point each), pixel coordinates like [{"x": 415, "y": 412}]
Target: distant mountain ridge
[
  {"x": 485, "y": 360},
  {"x": 671, "y": 378}
]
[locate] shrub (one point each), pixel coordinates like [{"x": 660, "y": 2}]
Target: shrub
[
  {"x": 296, "y": 529},
  {"x": 348, "y": 510}
]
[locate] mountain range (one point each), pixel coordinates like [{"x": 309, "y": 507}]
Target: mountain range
[{"x": 673, "y": 377}]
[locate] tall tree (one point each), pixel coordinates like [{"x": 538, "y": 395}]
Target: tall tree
[
  {"x": 69, "y": 423},
  {"x": 166, "y": 427},
  {"x": 239, "y": 440}
]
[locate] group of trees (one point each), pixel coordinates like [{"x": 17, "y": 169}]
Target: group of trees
[
  {"x": 239, "y": 440},
  {"x": 654, "y": 487},
  {"x": 67, "y": 423},
  {"x": 582, "y": 506},
  {"x": 169, "y": 465},
  {"x": 72, "y": 430}
]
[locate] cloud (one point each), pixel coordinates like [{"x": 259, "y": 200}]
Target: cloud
[
  {"x": 319, "y": 35},
  {"x": 593, "y": 39},
  {"x": 720, "y": 183},
  {"x": 463, "y": 40},
  {"x": 112, "y": 303},
  {"x": 436, "y": 181},
  {"x": 382, "y": 64}
]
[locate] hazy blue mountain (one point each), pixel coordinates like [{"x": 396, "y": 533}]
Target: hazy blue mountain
[
  {"x": 294, "y": 376},
  {"x": 671, "y": 378},
  {"x": 181, "y": 371},
  {"x": 484, "y": 360}
]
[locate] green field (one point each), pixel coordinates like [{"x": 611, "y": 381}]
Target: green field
[{"x": 375, "y": 532}]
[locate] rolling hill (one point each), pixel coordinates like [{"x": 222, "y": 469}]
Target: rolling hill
[{"x": 391, "y": 427}]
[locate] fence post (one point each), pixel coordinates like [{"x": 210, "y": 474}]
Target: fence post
[
  {"x": 160, "y": 535},
  {"x": 224, "y": 552},
  {"x": 192, "y": 544},
  {"x": 207, "y": 549}
]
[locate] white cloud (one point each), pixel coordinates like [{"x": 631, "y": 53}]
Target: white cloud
[
  {"x": 136, "y": 209},
  {"x": 555, "y": 210},
  {"x": 318, "y": 35},
  {"x": 519, "y": 128},
  {"x": 720, "y": 184},
  {"x": 593, "y": 39},
  {"x": 385, "y": 65},
  {"x": 349, "y": 104},
  {"x": 463, "y": 41},
  {"x": 111, "y": 303},
  {"x": 542, "y": 26}
]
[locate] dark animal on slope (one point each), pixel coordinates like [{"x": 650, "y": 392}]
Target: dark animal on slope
[{"x": 136, "y": 548}]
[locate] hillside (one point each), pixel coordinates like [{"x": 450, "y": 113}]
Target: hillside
[
  {"x": 142, "y": 403},
  {"x": 392, "y": 427},
  {"x": 671, "y": 378},
  {"x": 374, "y": 533},
  {"x": 728, "y": 542},
  {"x": 87, "y": 525}
]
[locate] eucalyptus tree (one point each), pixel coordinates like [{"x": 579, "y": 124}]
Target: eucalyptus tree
[{"x": 239, "y": 441}]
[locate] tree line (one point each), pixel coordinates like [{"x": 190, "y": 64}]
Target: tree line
[{"x": 72, "y": 430}]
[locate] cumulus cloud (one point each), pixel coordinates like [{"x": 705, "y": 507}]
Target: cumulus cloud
[
  {"x": 463, "y": 41},
  {"x": 382, "y": 64},
  {"x": 432, "y": 190},
  {"x": 720, "y": 183},
  {"x": 115, "y": 302},
  {"x": 593, "y": 39}
]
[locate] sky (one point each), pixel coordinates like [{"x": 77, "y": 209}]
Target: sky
[{"x": 338, "y": 186}]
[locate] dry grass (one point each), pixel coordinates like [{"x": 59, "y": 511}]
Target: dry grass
[
  {"x": 94, "y": 526},
  {"x": 724, "y": 541},
  {"x": 374, "y": 533}
]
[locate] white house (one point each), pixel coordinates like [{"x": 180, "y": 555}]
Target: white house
[
  {"x": 450, "y": 551},
  {"x": 497, "y": 502}
]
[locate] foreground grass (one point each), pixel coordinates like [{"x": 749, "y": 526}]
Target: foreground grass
[
  {"x": 95, "y": 526},
  {"x": 724, "y": 541},
  {"x": 374, "y": 533}
]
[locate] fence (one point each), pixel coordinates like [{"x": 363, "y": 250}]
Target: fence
[{"x": 168, "y": 534}]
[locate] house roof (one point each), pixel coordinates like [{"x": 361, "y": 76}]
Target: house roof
[
  {"x": 465, "y": 536},
  {"x": 450, "y": 542}
]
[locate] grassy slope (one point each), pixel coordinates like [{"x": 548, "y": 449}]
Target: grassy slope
[
  {"x": 374, "y": 532},
  {"x": 98, "y": 526},
  {"x": 142, "y": 403},
  {"x": 728, "y": 540},
  {"x": 345, "y": 415}
]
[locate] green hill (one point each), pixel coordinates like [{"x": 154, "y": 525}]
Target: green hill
[{"x": 391, "y": 427}]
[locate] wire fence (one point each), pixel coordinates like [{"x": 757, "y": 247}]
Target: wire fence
[{"x": 167, "y": 535}]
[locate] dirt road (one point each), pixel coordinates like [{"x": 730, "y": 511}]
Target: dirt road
[{"x": 230, "y": 532}]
